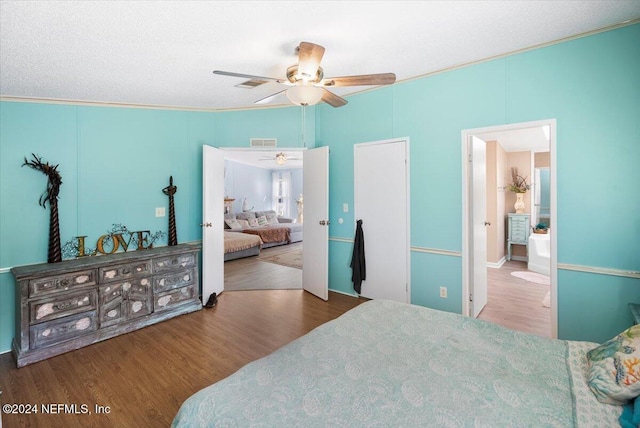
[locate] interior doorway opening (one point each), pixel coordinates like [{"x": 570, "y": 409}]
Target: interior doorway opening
[
  {"x": 527, "y": 147},
  {"x": 258, "y": 181}
]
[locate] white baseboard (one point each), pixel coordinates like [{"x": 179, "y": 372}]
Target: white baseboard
[
  {"x": 498, "y": 264},
  {"x": 519, "y": 258}
]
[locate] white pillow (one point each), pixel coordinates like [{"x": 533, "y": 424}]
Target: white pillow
[
  {"x": 272, "y": 218},
  {"x": 253, "y": 222},
  {"x": 233, "y": 224},
  {"x": 244, "y": 224},
  {"x": 262, "y": 221}
]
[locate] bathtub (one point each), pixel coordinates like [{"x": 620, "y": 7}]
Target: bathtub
[{"x": 540, "y": 253}]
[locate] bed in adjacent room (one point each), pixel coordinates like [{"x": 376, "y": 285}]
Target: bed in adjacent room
[
  {"x": 238, "y": 245},
  {"x": 386, "y": 363}
]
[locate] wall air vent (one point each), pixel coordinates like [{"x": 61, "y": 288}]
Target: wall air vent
[
  {"x": 263, "y": 142},
  {"x": 250, "y": 84}
]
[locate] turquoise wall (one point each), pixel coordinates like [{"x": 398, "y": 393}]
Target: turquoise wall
[
  {"x": 115, "y": 161},
  {"x": 114, "y": 164},
  {"x": 591, "y": 86}
]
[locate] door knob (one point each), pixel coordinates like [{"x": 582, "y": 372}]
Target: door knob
[
  {"x": 487, "y": 223},
  {"x": 205, "y": 224}
]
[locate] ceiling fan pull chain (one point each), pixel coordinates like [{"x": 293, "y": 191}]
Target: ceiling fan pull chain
[{"x": 304, "y": 109}]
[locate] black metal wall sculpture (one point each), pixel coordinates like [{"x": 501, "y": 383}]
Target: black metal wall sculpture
[
  {"x": 51, "y": 196},
  {"x": 171, "y": 190}
]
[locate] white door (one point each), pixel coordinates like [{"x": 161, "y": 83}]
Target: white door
[
  {"x": 381, "y": 201},
  {"x": 478, "y": 227},
  {"x": 212, "y": 221},
  {"x": 315, "y": 229}
]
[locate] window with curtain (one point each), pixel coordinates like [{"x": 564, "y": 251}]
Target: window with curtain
[{"x": 281, "y": 191}]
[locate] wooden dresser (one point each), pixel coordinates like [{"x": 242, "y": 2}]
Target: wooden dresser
[{"x": 65, "y": 306}]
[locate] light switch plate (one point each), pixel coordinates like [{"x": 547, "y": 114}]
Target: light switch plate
[{"x": 160, "y": 212}]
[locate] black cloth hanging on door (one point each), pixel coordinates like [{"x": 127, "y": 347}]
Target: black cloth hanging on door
[{"x": 358, "y": 265}]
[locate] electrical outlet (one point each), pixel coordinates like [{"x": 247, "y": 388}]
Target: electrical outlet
[
  {"x": 345, "y": 208},
  {"x": 160, "y": 212},
  {"x": 443, "y": 292}
]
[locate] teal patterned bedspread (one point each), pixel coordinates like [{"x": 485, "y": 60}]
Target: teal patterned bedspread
[{"x": 386, "y": 364}]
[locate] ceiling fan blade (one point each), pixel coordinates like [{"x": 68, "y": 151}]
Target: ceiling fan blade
[
  {"x": 245, "y": 76},
  {"x": 309, "y": 57},
  {"x": 364, "y": 79},
  {"x": 269, "y": 98},
  {"x": 332, "y": 99}
]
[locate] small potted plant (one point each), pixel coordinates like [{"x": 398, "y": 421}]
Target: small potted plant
[{"x": 541, "y": 228}]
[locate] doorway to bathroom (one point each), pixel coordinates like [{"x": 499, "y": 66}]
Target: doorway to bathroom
[{"x": 509, "y": 272}]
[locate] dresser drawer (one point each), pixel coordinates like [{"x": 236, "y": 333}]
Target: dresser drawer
[
  {"x": 112, "y": 312},
  {"x": 125, "y": 300},
  {"x": 54, "y": 332},
  {"x": 172, "y": 298},
  {"x": 61, "y": 306},
  {"x": 173, "y": 280},
  {"x": 125, "y": 271},
  {"x": 139, "y": 306},
  {"x": 43, "y": 286},
  {"x": 164, "y": 264}
]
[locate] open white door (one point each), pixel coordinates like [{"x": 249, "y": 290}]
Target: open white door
[
  {"x": 315, "y": 229},
  {"x": 478, "y": 226},
  {"x": 212, "y": 221}
]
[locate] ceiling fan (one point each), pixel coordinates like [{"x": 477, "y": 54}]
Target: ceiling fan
[
  {"x": 306, "y": 82},
  {"x": 280, "y": 158}
]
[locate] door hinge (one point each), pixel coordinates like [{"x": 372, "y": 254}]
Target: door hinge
[
  {"x": 470, "y": 157},
  {"x": 471, "y": 297}
]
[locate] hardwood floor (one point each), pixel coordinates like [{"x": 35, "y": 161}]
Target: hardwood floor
[
  {"x": 252, "y": 273},
  {"x": 144, "y": 376},
  {"x": 516, "y": 303}
]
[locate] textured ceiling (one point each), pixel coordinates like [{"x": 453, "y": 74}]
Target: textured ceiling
[{"x": 163, "y": 53}]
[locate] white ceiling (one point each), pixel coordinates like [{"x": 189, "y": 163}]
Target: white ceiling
[
  {"x": 519, "y": 140},
  {"x": 162, "y": 53}
]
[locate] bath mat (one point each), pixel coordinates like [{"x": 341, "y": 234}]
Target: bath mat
[{"x": 532, "y": 277}]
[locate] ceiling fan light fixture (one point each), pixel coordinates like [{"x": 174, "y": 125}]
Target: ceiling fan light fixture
[
  {"x": 281, "y": 158},
  {"x": 304, "y": 95}
]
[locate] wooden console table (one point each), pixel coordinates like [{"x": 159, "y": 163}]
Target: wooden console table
[{"x": 65, "y": 306}]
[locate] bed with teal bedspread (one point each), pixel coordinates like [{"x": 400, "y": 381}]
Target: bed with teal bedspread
[{"x": 386, "y": 364}]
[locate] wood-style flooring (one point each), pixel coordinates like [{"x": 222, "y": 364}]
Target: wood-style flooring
[
  {"x": 516, "y": 303},
  {"x": 251, "y": 273},
  {"x": 144, "y": 376}
]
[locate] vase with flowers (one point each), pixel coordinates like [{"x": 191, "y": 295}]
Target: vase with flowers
[{"x": 519, "y": 186}]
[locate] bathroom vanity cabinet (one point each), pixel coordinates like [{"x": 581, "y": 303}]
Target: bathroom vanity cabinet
[
  {"x": 518, "y": 229},
  {"x": 67, "y": 305}
]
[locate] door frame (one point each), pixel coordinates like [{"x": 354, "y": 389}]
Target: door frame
[
  {"x": 219, "y": 203},
  {"x": 467, "y": 233}
]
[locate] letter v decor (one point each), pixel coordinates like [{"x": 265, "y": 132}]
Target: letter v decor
[{"x": 50, "y": 195}]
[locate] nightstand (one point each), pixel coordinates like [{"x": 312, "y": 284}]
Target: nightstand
[{"x": 518, "y": 230}]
